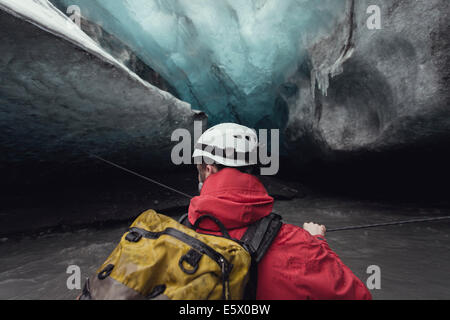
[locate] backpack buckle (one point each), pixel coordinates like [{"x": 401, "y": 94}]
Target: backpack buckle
[
  {"x": 133, "y": 236},
  {"x": 105, "y": 272},
  {"x": 192, "y": 258}
]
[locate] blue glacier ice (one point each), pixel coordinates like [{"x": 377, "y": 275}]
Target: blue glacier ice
[
  {"x": 63, "y": 97},
  {"x": 228, "y": 58}
]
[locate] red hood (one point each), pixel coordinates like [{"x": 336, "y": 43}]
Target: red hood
[{"x": 237, "y": 199}]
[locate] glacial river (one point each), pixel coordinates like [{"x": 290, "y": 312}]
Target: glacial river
[{"x": 414, "y": 259}]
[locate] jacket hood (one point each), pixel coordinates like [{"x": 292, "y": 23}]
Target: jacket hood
[{"x": 237, "y": 199}]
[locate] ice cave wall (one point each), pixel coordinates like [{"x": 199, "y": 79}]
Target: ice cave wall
[
  {"x": 226, "y": 57},
  {"x": 312, "y": 68},
  {"x": 62, "y": 98},
  {"x": 390, "y": 90},
  {"x": 338, "y": 90}
]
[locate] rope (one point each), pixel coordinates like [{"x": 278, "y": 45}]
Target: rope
[
  {"x": 393, "y": 223},
  {"x": 142, "y": 177},
  {"x": 367, "y": 226}
]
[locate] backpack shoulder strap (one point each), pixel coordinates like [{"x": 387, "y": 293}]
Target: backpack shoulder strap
[
  {"x": 258, "y": 238},
  {"x": 185, "y": 221},
  {"x": 260, "y": 235}
]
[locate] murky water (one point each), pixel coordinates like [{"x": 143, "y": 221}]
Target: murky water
[{"x": 414, "y": 259}]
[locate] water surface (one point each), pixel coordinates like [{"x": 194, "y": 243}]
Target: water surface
[{"x": 414, "y": 258}]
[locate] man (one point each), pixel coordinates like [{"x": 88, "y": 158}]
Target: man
[{"x": 299, "y": 263}]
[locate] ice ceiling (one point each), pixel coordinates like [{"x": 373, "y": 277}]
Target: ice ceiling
[{"x": 228, "y": 58}]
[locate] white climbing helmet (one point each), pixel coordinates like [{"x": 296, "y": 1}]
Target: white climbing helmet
[{"x": 228, "y": 144}]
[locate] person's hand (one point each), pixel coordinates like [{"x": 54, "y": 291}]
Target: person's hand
[{"x": 315, "y": 229}]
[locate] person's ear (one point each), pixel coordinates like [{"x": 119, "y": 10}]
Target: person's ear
[{"x": 211, "y": 169}]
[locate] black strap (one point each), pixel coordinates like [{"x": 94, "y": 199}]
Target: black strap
[
  {"x": 260, "y": 235},
  {"x": 192, "y": 257},
  {"x": 216, "y": 221},
  {"x": 185, "y": 222},
  {"x": 258, "y": 238}
]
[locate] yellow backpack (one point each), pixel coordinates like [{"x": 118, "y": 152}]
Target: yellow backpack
[{"x": 160, "y": 258}]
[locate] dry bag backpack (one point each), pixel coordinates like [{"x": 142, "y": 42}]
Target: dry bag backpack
[{"x": 161, "y": 258}]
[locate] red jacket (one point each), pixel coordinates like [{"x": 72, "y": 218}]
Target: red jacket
[{"x": 297, "y": 266}]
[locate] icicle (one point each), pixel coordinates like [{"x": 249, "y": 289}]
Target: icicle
[{"x": 321, "y": 77}]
